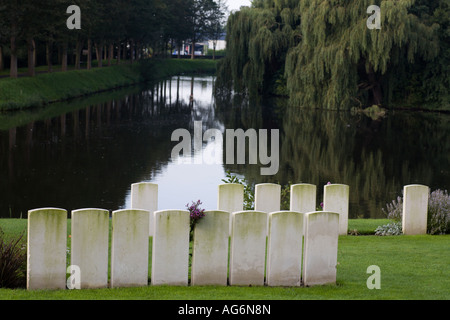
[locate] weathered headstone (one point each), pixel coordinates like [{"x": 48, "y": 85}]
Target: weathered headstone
[
  {"x": 230, "y": 198},
  {"x": 46, "y": 249},
  {"x": 144, "y": 196},
  {"x": 248, "y": 248},
  {"x": 90, "y": 241},
  {"x": 129, "y": 248},
  {"x": 336, "y": 199},
  {"x": 321, "y": 248},
  {"x": 170, "y": 248},
  {"x": 267, "y": 199},
  {"x": 210, "y": 249},
  {"x": 284, "y": 250},
  {"x": 303, "y": 198},
  {"x": 415, "y": 209}
]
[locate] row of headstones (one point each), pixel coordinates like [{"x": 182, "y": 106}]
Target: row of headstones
[
  {"x": 294, "y": 239},
  {"x": 267, "y": 199},
  {"x": 46, "y": 231}
]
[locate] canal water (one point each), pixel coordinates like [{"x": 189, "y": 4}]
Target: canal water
[{"x": 86, "y": 153}]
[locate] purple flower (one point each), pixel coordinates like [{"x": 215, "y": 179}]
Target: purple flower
[{"x": 194, "y": 210}]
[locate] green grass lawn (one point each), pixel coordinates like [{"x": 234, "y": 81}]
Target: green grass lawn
[
  {"x": 412, "y": 268},
  {"x": 43, "y": 89}
]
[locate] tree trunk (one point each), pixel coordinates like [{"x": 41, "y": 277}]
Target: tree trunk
[
  {"x": 13, "y": 68},
  {"x": 193, "y": 50},
  {"x": 31, "y": 51},
  {"x": 377, "y": 93},
  {"x": 119, "y": 49},
  {"x": 124, "y": 56},
  {"x": 34, "y": 54},
  {"x": 64, "y": 56},
  {"x": 78, "y": 49},
  {"x": 49, "y": 50},
  {"x": 132, "y": 51},
  {"x": 2, "y": 64},
  {"x": 89, "y": 56},
  {"x": 179, "y": 51},
  {"x": 99, "y": 53},
  {"x": 111, "y": 54}
]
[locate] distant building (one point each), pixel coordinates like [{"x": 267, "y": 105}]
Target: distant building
[{"x": 221, "y": 44}]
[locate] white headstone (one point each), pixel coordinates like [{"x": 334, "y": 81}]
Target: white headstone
[
  {"x": 210, "y": 249},
  {"x": 230, "y": 198},
  {"x": 89, "y": 246},
  {"x": 303, "y": 198},
  {"x": 170, "y": 248},
  {"x": 46, "y": 249},
  {"x": 284, "y": 250},
  {"x": 267, "y": 199},
  {"x": 336, "y": 199},
  {"x": 321, "y": 248},
  {"x": 415, "y": 209},
  {"x": 129, "y": 248},
  {"x": 248, "y": 248},
  {"x": 144, "y": 196}
]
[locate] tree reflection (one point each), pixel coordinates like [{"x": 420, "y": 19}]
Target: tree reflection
[{"x": 376, "y": 158}]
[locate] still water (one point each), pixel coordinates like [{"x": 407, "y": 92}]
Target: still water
[{"x": 86, "y": 153}]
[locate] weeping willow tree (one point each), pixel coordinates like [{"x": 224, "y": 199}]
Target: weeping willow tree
[
  {"x": 258, "y": 39},
  {"x": 325, "y": 56},
  {"x": 341, "y": 61}
]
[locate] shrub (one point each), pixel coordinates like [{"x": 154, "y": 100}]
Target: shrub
[
  {"x": 249, "y": 192},
  {"x": 249, "y": 198},
  {"x": 13, "y": 262},
  {"x": 391, "y": 229},
  {"x": 394, "y": 209},
  {"x": 438, "y": 212},
  {"x": 196, "y": 213}
]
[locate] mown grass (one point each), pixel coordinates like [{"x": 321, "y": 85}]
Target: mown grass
[
  {"x": 46, "y": 88},
  {"x": 412, "y": 268}
]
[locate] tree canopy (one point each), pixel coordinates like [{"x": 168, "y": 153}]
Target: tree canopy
[
  {"x": 114, "y": 28},
  {"x": 323, "y": 55}
]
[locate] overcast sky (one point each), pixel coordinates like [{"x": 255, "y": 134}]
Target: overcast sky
[{"x": 235, "y": 4}]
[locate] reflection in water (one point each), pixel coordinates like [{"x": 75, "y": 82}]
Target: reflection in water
[
  {"x": 376, "y": 158},
  {"x": 89, "y": 157},
  {"x": 87, "y": 153}
]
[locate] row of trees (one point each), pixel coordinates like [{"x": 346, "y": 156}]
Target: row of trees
[
  {"x": 122, "y": 29},
  {"x": 321, "y": 53}
]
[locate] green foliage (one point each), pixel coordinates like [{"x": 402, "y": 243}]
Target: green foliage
[
  {"x": 154, "y": 69},
  {"x": 249, "y": 192},
  {"x": 390, "y": 229},
  {"x": 257, "y": 42},
  {"x": 394, "y": 209},
  {"x": 37, "y": 91},
  {"x": 249, "y": 189},
  {"x": 438, "y": 212},
  {"x": 340, "y": 62},
  {"x": 330, "y": 59},
  {"x": 13, "y": 259}
]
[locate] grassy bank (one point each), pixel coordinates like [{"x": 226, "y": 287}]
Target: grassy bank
[
  {"x": 412, "y": 268},
  {"x": 27, "y": 92}
]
